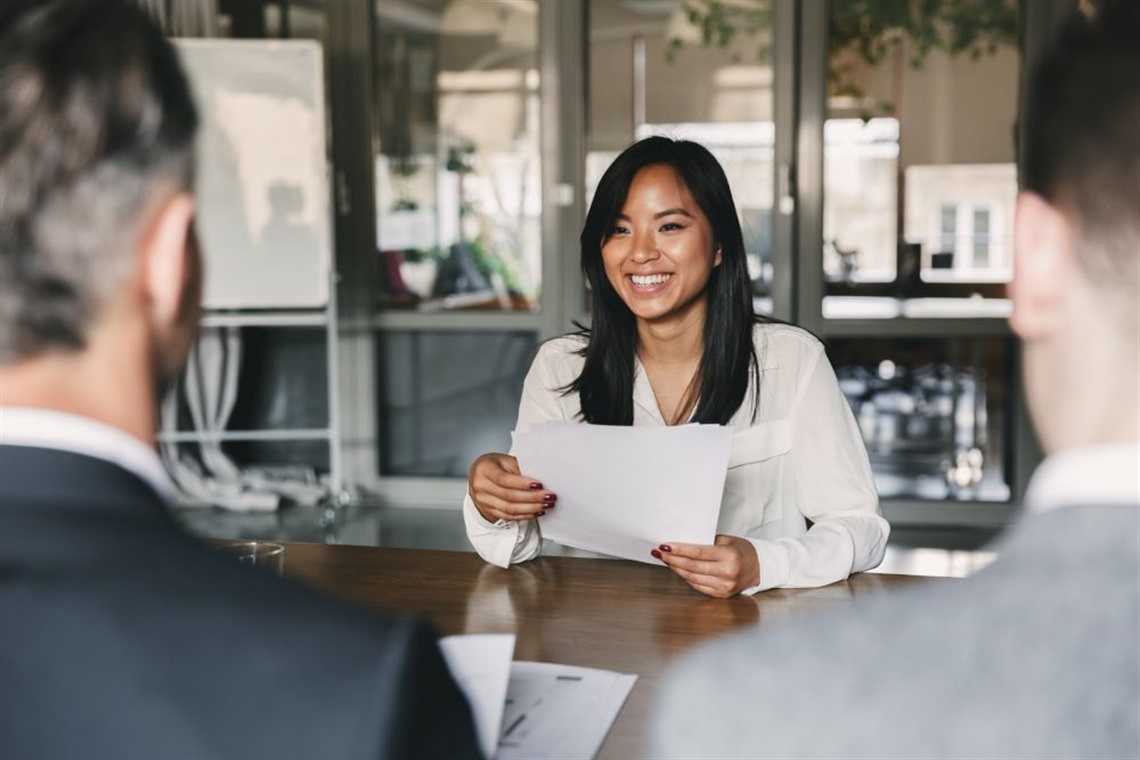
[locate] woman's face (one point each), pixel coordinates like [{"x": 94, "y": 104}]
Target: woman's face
[{"x": 660, "y": 251}]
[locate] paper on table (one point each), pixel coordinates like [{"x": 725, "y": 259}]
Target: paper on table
[
  {"x": 481, "y": 665},
  {"x": 625, "y": 490},
  {"x": 560, "y": 711}
]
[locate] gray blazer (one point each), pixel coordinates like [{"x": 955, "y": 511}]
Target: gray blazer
[{"x": 1036, "y": 656}]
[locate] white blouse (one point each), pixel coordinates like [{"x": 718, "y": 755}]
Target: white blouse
[{"x": 801, "y": 459}]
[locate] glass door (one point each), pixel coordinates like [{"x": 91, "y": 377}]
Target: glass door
[
  {"x": 907, "y": 171},
  {"x": 703, "y": 72},
  {"x": 457, "y": 155},
  {"x": 454, "y": 125}
]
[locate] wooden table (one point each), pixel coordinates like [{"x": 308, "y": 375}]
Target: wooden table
[{"x": 612, "y": 614}]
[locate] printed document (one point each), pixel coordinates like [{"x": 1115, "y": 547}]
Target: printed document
[
  {"x": 533, "y": 709},
  {"x": 559, "y": 711}
]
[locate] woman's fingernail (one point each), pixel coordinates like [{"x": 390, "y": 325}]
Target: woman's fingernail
[
  {"x": 549, "y": 498},
  {"x": 656, "y": 554},
  {"x": 535, "y": 485},
  {"x": 666, "y": 548}
]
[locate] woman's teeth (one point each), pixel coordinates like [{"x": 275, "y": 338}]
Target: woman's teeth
[{"x": 648, "y": 280}]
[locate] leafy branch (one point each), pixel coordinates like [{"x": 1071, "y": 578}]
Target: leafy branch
[{"x": 869, "y": 30}]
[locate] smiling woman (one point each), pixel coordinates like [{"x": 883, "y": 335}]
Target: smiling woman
[
  {"x": 674, "y": 340},
  {"x": 659, "y": 256},
  {"x": 709, "y": 344}
]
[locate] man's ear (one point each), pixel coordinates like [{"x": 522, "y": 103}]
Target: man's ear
[
  {"x": 1042, "y": 266},
  {"x": 166, "y": 248}
]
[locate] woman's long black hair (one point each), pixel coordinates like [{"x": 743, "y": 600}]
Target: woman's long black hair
[{"x": 605, "y": 386}]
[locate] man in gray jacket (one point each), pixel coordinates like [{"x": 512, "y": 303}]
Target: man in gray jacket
[{"x": 1038, "y": 655}]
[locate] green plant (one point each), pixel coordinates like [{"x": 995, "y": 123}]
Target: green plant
[
  {"x": 491, "y": 263},
  {"x": 869, "y": 30},
  {"x": 418, "y": 255},
  {"x": 719, "y": 22}
]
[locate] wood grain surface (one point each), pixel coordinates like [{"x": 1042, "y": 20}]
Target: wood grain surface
[{"x": 598, "y": 613}]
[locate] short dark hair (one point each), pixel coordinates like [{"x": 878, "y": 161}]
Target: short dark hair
[
  {"x": 1082, "y": 138},
  {"x": 95, "y": 116},
  {"x": 605, "y": 386}
]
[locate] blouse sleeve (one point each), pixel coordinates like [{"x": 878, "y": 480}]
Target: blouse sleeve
[
  {"x": 834, "y": 489},
  {"x": 521, "y": 540}
]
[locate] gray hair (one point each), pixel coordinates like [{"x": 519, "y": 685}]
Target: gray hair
[{"x": 96, "y": 118}]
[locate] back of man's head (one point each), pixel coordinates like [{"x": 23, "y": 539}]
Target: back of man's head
[
  {"x": 96, "y": 117},
  {"x": 1082, "y": 143}
]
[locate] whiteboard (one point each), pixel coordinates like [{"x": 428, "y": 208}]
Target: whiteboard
[{"x": 262, "y": 177}]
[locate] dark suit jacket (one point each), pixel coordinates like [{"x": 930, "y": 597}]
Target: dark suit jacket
[{"x": 121, "y": 636}]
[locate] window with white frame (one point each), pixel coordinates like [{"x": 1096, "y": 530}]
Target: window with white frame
[{"x": 962, "y": 216}]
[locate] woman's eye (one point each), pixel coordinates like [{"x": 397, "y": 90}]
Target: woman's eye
[
  {"x": 670, "y": 226},
  {"x": 617, "y": 230}
]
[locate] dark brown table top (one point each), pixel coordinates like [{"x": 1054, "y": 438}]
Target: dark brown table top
[{"x": 598, "y": 613}]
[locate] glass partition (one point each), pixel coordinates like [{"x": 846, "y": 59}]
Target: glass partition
[
  {"x": 448, "y": 397},
  {"x": 934, "y": 414},
  {"x": 919, "y": 154},
  {"x": 457, "y": 161},
  {"x": 677, "y": 69}
]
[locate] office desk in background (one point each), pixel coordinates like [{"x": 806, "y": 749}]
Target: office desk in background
[{"x": 597, "y": 613}]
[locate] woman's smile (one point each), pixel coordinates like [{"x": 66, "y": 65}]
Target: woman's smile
[{"x": 649, "y": 283}]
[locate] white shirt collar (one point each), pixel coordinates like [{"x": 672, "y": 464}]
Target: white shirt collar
[
  {"x": 643, "y": 394},
  {"x": 1094, "y": 475},
  {"x": 48, "y": 429}
]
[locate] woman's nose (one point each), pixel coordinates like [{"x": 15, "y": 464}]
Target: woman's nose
[{"x": 644, "y": 249}]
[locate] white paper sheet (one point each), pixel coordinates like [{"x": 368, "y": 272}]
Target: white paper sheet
[
  {"x": 559, "y": 711},
  {"x": 625, "y": 490},
  {"x": 481, "y": 665}
]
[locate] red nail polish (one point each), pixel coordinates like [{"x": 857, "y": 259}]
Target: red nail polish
[
  {"x": 540, "y": 514},
  {"x": 655, "y": 553},
  {"x": 535, "y": 485},
  {"x": 548, "y": 498},
  {"x": 666, "y": 548}
]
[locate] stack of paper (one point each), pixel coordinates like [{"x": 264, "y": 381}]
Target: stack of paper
[
  {"x": 533, "y": 709},
  {"x": 625, "y": 490}
]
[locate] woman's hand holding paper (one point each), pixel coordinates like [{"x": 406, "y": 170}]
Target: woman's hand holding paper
[
  {"x": 501, "y": 492},
  {"x": 722, "y": 570}
]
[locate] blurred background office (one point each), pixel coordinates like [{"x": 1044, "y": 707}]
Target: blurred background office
[{"x": 377, "y": 297}]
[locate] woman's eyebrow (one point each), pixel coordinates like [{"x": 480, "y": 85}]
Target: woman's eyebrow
[{"x": 667, "y": 212}]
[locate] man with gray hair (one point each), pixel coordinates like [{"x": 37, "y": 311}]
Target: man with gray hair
[
  {"x": 1038, "y": 655},
  {"x": 121, "y": 635}
]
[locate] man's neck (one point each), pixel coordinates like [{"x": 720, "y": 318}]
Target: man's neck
[
  {"x": 110, "y": 387},
  {"x": 1097, "y": 401},
  {"x": 1083, "y": 368}
]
